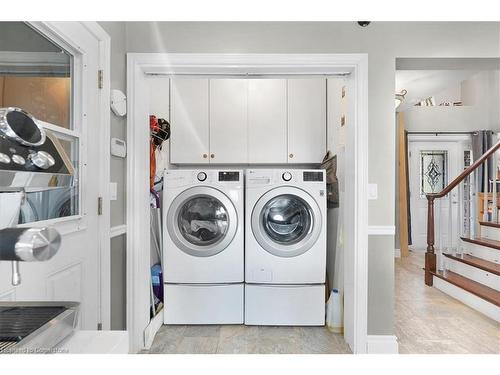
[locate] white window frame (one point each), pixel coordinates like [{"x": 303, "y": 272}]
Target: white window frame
[{"x": 78, "y": 222}]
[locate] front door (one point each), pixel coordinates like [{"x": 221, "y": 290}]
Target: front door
[{"x": 432, "y": 165}]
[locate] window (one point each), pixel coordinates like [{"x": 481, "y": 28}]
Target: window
[
  {"x": 36, "y": 75},
  {"x": 433, "y": 171}
]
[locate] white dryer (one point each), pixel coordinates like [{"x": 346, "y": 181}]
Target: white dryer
[
  {"x": 285, "y": 247},
  {"x": 203, "y": 258}
]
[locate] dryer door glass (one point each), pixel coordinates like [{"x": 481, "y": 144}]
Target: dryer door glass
[
  {"x": 287, "y": 219},
  {"x": 203, "y": 220}
]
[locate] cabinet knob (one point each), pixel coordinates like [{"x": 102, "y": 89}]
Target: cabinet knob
[
  {"x": 205, "y": 156},
  {"x": 291, "y": 156},
  {"x": 212, "y": 156}
]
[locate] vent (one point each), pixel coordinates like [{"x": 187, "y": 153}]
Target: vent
[
  {"x": 229, "y": 176},
  {"x": 313, "y": 176}
]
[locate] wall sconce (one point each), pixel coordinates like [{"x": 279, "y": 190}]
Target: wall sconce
[{"x": 399, "y": 97}]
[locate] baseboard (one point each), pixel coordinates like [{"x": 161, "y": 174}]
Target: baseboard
[
  {"x": 382, "y": 344},
  {"x": 153, "y": 327},
  {"x": 397, "y": 253}
]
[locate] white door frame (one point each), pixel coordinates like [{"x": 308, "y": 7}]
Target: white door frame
[
  {"x": 356, "y": 226},
  {"x": 61, "y": 31}
]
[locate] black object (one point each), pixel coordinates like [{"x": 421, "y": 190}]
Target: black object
[
  {"x": 17, "y": 323},
  {"x": 364, "y": 23},
  {"x": 162, "y": 132},
  {"x": 229, "y": 176},
  {"x": 313, "y": 176}
]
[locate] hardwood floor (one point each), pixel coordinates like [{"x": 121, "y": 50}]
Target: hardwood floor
[{"x": 429, "y": 321}]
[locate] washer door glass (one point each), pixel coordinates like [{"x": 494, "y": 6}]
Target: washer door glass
[
  {"x": 287, "y": 219},
  {"x": 203, "y": 220}
]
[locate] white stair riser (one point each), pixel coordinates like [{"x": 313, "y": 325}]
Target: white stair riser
[
  {"x": 479, "y": 251},
  {"x": 490, "y": 232},
  {"x": 469, "y": 299},
  {"x": 473, "y": 273}
]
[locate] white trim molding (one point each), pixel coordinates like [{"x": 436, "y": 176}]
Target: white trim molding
[
  {"x": 152, "y": 328},
  {"x": 117, "y": 230},
  {"x": 353, "y": 66},
  {"x": 381, "y": 230},
  {"x": 382, "y": 344}
]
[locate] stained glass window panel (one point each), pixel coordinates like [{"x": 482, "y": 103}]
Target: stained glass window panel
[{"x": 433, "y": 168}]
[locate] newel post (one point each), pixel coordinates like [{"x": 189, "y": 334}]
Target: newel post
[{"x": 430, "y": 256}]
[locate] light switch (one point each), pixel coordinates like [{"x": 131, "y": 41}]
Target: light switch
[
  {"x": 372, "y": 191},
  {"x": 113, "y": 191}
]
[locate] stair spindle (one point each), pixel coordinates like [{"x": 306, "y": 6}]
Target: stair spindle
[
  {"x": 485, "y": 190},
  {"x": 430, "y": 255}
]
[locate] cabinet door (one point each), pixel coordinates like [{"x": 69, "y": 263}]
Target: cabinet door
[
  {"x": 189, "y": 121},
  {"x": 228, "y": 121},
  {"x": 306, "y": 120},
  {"x": 267, "y": 143}
]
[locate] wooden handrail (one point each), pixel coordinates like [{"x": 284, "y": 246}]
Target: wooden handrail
[{"x": 430, "y": 256}]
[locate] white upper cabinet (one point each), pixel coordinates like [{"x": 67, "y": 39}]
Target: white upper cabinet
[
  {"x": 306, "y": 120},
  {"x": 189, "y": 112},
  {"x": 267, "y": 121},
  {"x": 248, "y": 121},
  {"x": 228, "y": 121}
]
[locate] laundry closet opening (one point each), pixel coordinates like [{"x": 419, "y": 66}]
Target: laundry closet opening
[{"x": 247, "y": 203}]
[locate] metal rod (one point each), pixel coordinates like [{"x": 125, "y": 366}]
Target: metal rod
[
  {"x": 494, "y": 189},
  {"x": 16, "y": 274},
  {"x": 485, "y": 190},
  {"x": 450, "y": 222},
  {"x": 461, "y": 217},
  {"x": 339, "y": 74},
  {"x": 438, "y": 133}
]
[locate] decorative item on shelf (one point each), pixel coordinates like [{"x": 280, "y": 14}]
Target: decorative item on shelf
[
  {"x": 399, "y": 97},
  {"x": 457, "y": 104},
  {"x": 427, "y": 102}
]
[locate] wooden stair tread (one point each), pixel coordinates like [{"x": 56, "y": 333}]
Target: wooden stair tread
[
  {"x": 473, "y": 261},
  {"x": 482, "y": 291},
  {"x": 490, "y": 224},
  {"x": 483, "y": 241}
]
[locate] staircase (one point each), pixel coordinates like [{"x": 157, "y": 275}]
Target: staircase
[{"x": 471, "y": 271}]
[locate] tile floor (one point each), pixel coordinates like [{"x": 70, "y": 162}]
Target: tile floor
[
  {"x": 239, "y": 339},
  {"x": 426, "y": 321}
]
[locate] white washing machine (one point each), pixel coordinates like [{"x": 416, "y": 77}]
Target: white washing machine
[
  {"x": 285, "y": 247},
  {"x": 203, "y": 257}
]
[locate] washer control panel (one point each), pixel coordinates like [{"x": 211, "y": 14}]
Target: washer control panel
[
  {"x": 286, "y": 176},
  {"x": 201, "y": 176}
]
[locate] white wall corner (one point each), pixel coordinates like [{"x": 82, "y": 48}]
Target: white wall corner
[
  {"x": 382, "y": 344},
  {"x": 397, "y": 253}
]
